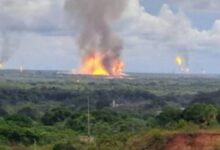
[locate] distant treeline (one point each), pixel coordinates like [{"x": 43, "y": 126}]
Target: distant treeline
[{"x": 103, "y": 97}]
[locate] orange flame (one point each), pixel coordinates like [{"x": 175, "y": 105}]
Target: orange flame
[
  {"x": 179, "y": 60},
  {"x": 92, "y": 64}
]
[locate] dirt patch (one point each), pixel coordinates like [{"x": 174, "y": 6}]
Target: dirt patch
[{"x": 195, "y": 141}]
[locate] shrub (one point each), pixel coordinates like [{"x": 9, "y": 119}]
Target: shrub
[
  {"x": 19, "y": 120},
  {"x": 64, "y": 147},
  {"x": 18, "y": 135},
  {"x": 55, "y": 115},
  {"x": 201, "y": 114},
  {"x": 3, "y": 113},
  {"x": 168, "y": 115},
  {"x": 29, "y": 112},
  {"x": 78, "y": 122}
]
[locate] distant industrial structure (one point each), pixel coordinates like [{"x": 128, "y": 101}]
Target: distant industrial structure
[{"x": 114, "y": 104}]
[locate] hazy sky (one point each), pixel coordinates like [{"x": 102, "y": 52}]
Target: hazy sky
[{"x": 154, "y": 32}]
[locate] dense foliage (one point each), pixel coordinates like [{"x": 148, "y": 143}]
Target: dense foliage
[
  {"x": 105, "y": 123},
  {"x": 49, "y": 111}
]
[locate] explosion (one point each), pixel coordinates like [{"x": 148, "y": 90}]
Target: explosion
[
  {"x": 94, "y": 64},
  {"x": 99, "y": 46},
  {"x": 179, "y": 60},
  {"x": 183, "y": 67}
]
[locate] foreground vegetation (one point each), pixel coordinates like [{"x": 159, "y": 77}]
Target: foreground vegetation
[
  {"x": 45, "y": 110},
  {"x": 60, "y": 127}
]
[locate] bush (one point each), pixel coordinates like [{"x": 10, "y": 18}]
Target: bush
[
  {"x": 55, "y": 115},
  {"x": 152, "y": 122},
  {"x": 78, "y": 122},
  {"x": 107, "y": 115},
  {"x": 168, "y": 115},
  {"x": 100, "y": 104},
  {"x": 64, "y": 147},
  {"x": 20, "y": 120},
  {"x": 152, "y": 140},
  {"x": 29, "y": 112},
  {"x": 180, "y": 124},
  {"x": 18, "y": 135},
  {"x": 201, "y": 114},
  {"x": 3, "y": 113},
  {"x": 129, "y": 125}
]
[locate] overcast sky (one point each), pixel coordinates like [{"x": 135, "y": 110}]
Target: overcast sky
[{"x": 153, "y": 32}]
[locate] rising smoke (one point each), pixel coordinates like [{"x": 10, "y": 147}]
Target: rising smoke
[
  {"x": 9, "y": 43},
  {"x": 94, "y": 19}
]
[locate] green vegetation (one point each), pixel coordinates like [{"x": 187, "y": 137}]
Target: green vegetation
[
  {"x": 110, "y": 127},
  {"x": 48, "y": 111}
]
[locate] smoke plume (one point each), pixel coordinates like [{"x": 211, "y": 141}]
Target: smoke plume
[
  {"x": 94, "y": 20},
  {"x": 9, "y": 43}
]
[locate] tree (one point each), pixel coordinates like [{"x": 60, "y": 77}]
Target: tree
[
  {"x": 19, "y": 135},
  {"x": 168, "y": 115},
  {"x": 64, "y": 147},
  {"x": 55, "y": 115},
  {"x": 218, "y": 116},
  {"x": 100, "y": 104},
  {"x": 78, "y": 122},
  {"x": 3, "y": 113},
  {"x": 129, "y": 125},
  {"x": 29, "y": 112},
  {"x": 201, "y": 114},
  {"x": 20, "y": 120},
  {"x": 107, "y": 115},
  {"x": 151, "y": 122}
]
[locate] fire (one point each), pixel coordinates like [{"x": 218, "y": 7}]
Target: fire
[
  {"x": 93, "y": 64},
  {"x": 179, "y": 60}
]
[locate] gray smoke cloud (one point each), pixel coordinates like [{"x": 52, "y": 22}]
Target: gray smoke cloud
[
  {"x": 94, "y": 20},
  {"x": 9, "y": 44}
]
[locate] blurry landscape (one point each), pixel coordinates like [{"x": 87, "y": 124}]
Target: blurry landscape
[
  {"x": 174, "y": 104},
  {"x": 49, "y": 110}
]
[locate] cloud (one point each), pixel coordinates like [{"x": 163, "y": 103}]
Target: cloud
[
  {"x": 165, "y": 35},
  {"x": 35, "y": 15},
  {"x": 197, "y": 5},
  {"x": 169, "y": 29},
  {"x": 147, "y": 37}
]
